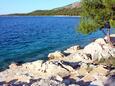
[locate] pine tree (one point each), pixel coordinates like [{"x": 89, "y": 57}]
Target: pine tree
[{"x": 97, "y": 14}]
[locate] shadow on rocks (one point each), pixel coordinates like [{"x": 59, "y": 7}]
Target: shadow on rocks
[
  {"x": 110, "y": 81},
  {"x": 16, "y": 83},
  {"x": 82, "y": 83},
  {"x": 74, "y": 65},
  {"x": 70, "y": 81}
]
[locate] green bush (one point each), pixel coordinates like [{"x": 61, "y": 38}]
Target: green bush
[
  {"x": 112, "y": 23},
  {"x": 87, "y": 26}
]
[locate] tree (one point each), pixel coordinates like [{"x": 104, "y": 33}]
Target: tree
[{"x": 97, "y": 14}]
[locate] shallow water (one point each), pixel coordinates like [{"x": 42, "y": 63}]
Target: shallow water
[{"x": 31, "y": 38}]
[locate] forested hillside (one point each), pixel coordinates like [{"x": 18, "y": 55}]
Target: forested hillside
[{"x": 71, "y": 10}]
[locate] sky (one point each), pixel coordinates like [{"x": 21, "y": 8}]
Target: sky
[{"x": 25, "y": 6}]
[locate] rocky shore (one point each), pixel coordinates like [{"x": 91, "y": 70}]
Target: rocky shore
[{"x": 75, "y": 66}]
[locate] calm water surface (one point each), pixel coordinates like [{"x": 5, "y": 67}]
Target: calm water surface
[{"x": 30, "y": 38}]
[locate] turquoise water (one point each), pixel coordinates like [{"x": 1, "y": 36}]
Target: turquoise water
[{"x": 24, "y": 39}]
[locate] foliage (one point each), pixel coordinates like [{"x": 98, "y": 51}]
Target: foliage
[
  {"x": 99, "y": 12},
  {"x": 88, "y": 23},
  {"x": 112, "y": 23}
]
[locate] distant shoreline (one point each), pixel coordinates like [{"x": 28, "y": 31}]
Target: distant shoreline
[{"x": 37, "y": 16}]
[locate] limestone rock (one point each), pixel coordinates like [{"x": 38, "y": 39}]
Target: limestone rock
[
  {"x": 82, "y": 71},
  {"x": 36, "y": 65},
  {"x": 99, "y": 70},
  {"x": 93, "y": 49},
  {"x": 47, "y": 82},
  {"x": 13, "y": 66},
  {"x": 55, "y": 55},
  {"x": 100, "y": 41},
  {"x": 76, "y": 57},
  {"x": 96, "y": 83},
  {"x": 99, "y": 51},
  {"x": 55, "y": 68},
  {"x": 23, "y": 78},
  {"x": 73, "y": 49},
  {"x": 109, "y": 50},
  {"x": 59, "y": 78},
  {"x": 88, "y": 78}
]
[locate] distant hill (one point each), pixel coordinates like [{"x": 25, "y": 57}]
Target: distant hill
[
  {"x": 71, "y": 10},
  {"x": 73, "y": 5},
  {"x": 70, "y": 6}
]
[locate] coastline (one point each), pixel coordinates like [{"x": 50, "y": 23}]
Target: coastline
[
  {"x": 66, "y": 69},
  {"x": 37, "y": 16}
]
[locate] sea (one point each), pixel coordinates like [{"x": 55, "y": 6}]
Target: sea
[{"x": 30, "y": 38}]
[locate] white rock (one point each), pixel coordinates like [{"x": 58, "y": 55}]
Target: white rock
[
  {"x": 93, "y": 49},
  {"x": 99, "y": 51},
  {"x": 96, "y": 83},
  {"x": 112, "y": 52},
  {"x": 73, "y": 49},
  {"x": 36, "y": 65},
  {"x": 13, "y": 66},
  {"x": 55, "y": 55},
  {"x": 100, "y": 41},
  {"x": 47, "y": 82},
  {"x": 79, "y": 56},
  {"x": 55, "y": 68},
  {"x": 59, "y": 78}
]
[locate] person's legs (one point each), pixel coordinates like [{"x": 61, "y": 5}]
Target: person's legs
[{"x": 108, "y": 35}]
